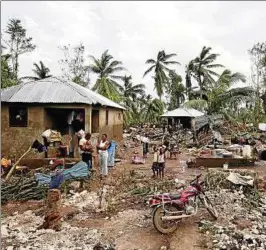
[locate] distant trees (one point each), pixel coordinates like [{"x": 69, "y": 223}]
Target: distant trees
[
  {"x": 41, "y": 72},
  {"x": 7, "y": 75},
  {"x": 73, "y": 65},
  {"x": 203, "y": 87},
  {"x": 15, "y": 42}
]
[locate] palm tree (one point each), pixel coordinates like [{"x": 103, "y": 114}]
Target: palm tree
[
  {"x": 190, "y": 69},
  {"x": 160, "y": 69},
  {"x": 220, "y": 96},
  {"x": 106, "y": 69},
  {"x": 202, "y": 68},
  {"x": 130, "y": 91},
  {"x": 41, "y": 72},
  {"x": 176, "y": 91},
  {"x": 155, "y": 109}
]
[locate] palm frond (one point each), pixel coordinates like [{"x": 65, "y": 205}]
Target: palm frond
[
  {"x": 149, "y": 70},
  {"x": 150, "y": 61}
]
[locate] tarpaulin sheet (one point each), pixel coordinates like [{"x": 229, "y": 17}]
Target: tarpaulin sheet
[{"x": 80, "y": 170}]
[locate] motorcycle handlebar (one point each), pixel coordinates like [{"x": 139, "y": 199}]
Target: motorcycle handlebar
[{"x": 196, "y": 179}]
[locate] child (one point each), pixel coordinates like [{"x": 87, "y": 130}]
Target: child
[
  {"x": 161, "y": 161},
  {"x": 155, "y": 167}
]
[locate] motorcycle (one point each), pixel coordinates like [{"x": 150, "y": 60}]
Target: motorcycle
[{"x": 169, "y": 209}]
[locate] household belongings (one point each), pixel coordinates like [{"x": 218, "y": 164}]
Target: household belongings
[
  {"x": 38, "y": 146},
  {"x": 262, "y": 126},
  {"x": 137, "y": 160},
  {"x": 78, "y": 171},
  {"x": 52, "y": 135}
]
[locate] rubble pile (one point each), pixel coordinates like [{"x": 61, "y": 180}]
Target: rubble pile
[
  {"x": 242, "y": 222},
  {"x": 90, "y": 201},
  {"x": 19, "y": 231}
]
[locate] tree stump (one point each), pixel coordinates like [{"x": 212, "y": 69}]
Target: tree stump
[{"x": 52, "y": 218}]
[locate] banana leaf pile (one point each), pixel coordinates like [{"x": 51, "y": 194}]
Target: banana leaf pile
[{"x": 23, "y": 189}]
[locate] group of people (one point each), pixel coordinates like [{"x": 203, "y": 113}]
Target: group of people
[
  {"x": 158, "y": 164},
  {"x": 104, "y": 148}
]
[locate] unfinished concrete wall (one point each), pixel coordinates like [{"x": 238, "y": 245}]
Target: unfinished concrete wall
[
  {"x": 114, "y": 127},
  {"x": 16, "y": 140}
]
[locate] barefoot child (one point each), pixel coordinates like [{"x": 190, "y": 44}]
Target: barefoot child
[{"x": 155, "y": 167}]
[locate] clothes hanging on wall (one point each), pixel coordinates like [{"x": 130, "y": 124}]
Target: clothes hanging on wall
[{"x": 70, "y": 117}]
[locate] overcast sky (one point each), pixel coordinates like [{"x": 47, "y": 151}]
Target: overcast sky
[{"x": 136, "y": 31}]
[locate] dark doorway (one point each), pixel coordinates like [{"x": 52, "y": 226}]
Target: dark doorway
[{"x": 95, "y": 121}]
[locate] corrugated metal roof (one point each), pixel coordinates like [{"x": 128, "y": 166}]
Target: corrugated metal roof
[
  {"x": 182, "y": 112},
  {"x": 54, "y": 90}
]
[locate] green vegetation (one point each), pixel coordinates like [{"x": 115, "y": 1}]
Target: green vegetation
[{"x": 208, "y": 85}]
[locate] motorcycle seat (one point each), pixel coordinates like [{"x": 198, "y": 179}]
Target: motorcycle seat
[{"x": 174, "y": 196}]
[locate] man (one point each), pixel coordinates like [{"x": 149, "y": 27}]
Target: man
[
  {"x": 103, "y": 155},
  {"x": 86, "y": 149}
]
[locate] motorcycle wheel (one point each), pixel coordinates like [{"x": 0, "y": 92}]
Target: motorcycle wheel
[
  {"x": 164, "y": 227},
  {"x": 210, "y": 208}
]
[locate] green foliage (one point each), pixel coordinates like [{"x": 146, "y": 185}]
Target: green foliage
[
  {"x": 107, "y": 68},
  {"x": 7, "y": 75},
  {"x": 130, "y": 92},
  {"x": 17, "y": 43},
  {"x": 201, "y": 69},
  {"x": 160, "y": 68},
  {"x": 175, "y": 91},
  {"x": 41, "y": 72},
  {"x": 219, "y": 95},
  {"x": 73, "y": 65}
]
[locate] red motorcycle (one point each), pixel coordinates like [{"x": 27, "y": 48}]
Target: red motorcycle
[{"x": 169, "y": 209}]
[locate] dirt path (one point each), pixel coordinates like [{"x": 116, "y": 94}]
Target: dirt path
[
  {"x": 131, "y": 228},
  {"x": 146, "y": 237}
]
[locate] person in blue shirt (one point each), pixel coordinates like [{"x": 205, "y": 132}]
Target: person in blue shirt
[{"x": 111, "y": 153}]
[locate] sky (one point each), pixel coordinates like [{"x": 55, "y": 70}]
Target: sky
[{"x": 136, "y": 31}]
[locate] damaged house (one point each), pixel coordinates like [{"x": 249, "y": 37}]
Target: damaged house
[
  {"x": 31, "y": 108},
  {"x": 189, "y": 118}
]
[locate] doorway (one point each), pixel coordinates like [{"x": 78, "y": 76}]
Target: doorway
[{"x": 95, "y": 121}]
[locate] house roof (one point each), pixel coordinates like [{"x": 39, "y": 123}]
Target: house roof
[
  {"x": 54, "y": 90},
  {"x": 182, "y": 112}
]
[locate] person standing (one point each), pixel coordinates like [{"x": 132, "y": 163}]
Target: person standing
[
  {"x": 161, "y": 161},
  {"x": 145, "y": 146},
  {"x": 111, "y": 153},
  {"x": 103, "y": 155},
  {"x": 155, "y": 166},
  {"x": 86, "y": 149}
]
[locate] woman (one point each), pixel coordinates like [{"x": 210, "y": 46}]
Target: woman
[
  {"x": 103, "y": 155},
  {"x": 161, "y": 162},
  {"x": 111, "y": 153}
]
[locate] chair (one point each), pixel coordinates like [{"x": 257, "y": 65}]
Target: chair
[{"x": 66, "y": 141}]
